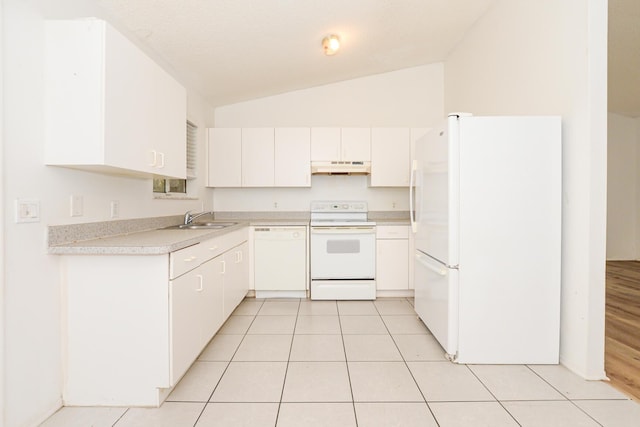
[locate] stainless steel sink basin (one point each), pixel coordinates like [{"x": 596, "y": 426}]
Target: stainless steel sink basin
[{"x": 202, "y": 226}]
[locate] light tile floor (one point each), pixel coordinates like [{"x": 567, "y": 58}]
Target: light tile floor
[{"x": 358, "y": 363}]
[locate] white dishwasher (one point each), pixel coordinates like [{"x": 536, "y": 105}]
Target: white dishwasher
[{"x": 280, "y": 261}]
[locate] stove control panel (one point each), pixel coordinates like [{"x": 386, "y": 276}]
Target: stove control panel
[{"x": 339, "y": 206}]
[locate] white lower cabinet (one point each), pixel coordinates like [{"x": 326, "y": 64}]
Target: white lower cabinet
[
  {"x": 196, "y": 313},
  {"x": 132, "y": 331},
  {"x": 235, "y": 271},
  {"x": 392, "y": 257}
]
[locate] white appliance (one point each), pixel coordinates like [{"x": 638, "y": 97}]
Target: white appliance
[
  {"x": 280, "y": 262},
  {"x": 342, "y": 251},
  {"x": 487, "y": 225}
]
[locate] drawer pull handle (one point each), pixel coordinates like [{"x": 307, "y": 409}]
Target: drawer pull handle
[
  {"x": 191, "y": 258},
  {"x": 213, "y": 248},
  {"x": 200, "y": 284}
]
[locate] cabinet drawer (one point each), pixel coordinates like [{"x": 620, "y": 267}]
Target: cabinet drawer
[
  {"x": 189, "y": 258},
  {"x": 392, "y": 232},
  {"x": 185, "y": 260},
  {"x": 211, "y": 248}
]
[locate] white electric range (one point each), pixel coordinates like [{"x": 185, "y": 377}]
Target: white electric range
[{"x": 342, "y": 251}]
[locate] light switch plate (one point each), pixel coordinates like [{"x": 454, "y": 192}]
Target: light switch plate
[
  {"x": 115, "y": 209},
  {"x": 27, "y": 210},
  {"x": 77, "y": 206}
]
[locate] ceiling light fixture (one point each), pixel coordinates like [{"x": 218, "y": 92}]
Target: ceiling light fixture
[{"x": 331, "y": 44}]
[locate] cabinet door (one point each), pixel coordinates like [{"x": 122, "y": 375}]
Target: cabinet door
[
  {"x": 392, "y": 264},
  {"x": 257, "y": 157},
  {"x": 211, "y": 303},
  {"x": 325, "y": 144},
  {"x": 390, "y": 157},
  {"x": 224, "y": 157},
  {"x": 356, "y": 144},
  {"x": 185, "y": 327},
  {"x": 113, "y": 108},
  {"x": 292, "y": 157},
  {"x": 236, "y": 278},
  {"x": 145, "y": 111}
]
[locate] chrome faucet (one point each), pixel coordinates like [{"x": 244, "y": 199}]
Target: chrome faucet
[{"x": 189, "y": 217}]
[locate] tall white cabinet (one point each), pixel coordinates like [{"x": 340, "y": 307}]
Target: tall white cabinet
[{"x": 108, "y": 106}]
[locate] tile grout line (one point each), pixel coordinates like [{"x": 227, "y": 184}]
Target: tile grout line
[
  {"x": 407, "y": 366},
  {"x": 346, "y": 362},
  {"x": 493, "y": 395},
  {"x": 122, "y": 415},
  {"x": 284, "y": 380},
  {"x": 562, "y": 394},
  {"x": 228, "y": 364}
]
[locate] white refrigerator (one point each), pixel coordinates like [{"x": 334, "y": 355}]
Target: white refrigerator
[{"x": 486, "y": 217}]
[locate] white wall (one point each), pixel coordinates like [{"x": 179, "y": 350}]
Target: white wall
[
  {"x": 410, "y": 97},
  {"x": 623, "y": 187},
  {"x": 2, "y": 298},
  {"x": 32, "y": 302},
  {"x": 549, "y": 57}
]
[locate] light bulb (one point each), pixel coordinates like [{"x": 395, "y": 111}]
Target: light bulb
[{"x": 331, "y": 44}]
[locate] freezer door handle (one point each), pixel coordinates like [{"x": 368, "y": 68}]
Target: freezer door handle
[{"x": 441, "y": 271}]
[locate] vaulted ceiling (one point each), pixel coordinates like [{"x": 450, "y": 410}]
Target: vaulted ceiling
[{"x": 235, "y": 50}]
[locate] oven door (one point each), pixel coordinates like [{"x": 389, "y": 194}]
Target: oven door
[{"x": 343, "y": 253}]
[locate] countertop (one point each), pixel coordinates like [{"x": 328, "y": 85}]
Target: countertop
[
  {"x": 149, "y": 242},
  {"x": 130, "y": 237}
]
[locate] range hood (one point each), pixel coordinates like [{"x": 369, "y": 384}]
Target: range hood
[{"x": 340, "y": 168}]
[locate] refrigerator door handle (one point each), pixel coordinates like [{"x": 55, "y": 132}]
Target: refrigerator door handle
[
  {"x": 412, "y": 181},
  {"x": 441, "y": 271}
]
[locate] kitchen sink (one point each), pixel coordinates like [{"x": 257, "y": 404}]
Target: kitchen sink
[{"x": 201, "y": 226}]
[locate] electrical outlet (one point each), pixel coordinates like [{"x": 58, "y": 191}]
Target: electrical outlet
[
  {"x": 27, "y": 210},
  {"x": 77, "y": 205},
  {"x": 275, "y": 205},
  {"x": 115, "y": 209},
  {"x": 393, "y": 205}
]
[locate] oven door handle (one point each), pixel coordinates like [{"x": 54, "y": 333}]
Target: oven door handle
[{"x": 343, "y": 230}]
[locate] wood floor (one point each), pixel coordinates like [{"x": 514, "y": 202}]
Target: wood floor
[{"x": 622, "y": 327}]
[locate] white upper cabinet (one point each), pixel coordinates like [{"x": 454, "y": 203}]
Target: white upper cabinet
[
  {"x": 341, "y": 144},
  {"x": 390, "y": 157},
  {"x": 225, "y": 157},
  {"x": 292, "y": 157},
  {"x": 355, "y": 144},
  {"x": 325, "y": 144},
  {"x": 108, "y": 106},
  {"x": 257, "y": 157}
]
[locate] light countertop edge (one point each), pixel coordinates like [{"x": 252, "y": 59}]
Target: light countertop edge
[{"x": 162, "y": 241}]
